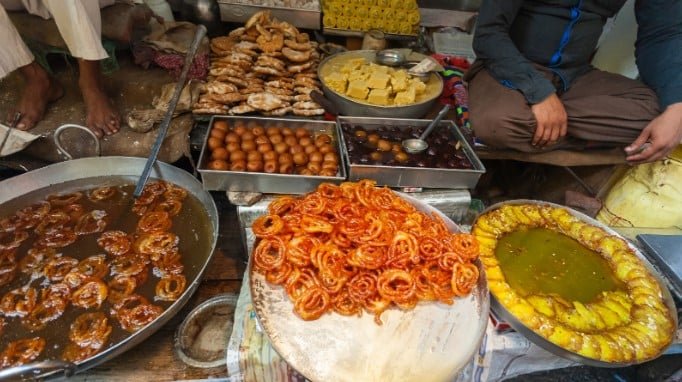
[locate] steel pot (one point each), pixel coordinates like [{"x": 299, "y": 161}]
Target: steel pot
[{"x": 112, "y": 170}]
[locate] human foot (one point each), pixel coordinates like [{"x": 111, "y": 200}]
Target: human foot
[
  {"x": 102, "y": 119},
  {"x": 39, "y": 91}
]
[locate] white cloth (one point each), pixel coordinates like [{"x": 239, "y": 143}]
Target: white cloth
[{"x": 78, "y": 21}]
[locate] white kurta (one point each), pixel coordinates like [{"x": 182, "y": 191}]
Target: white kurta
[{"x": 78, "y": 21}]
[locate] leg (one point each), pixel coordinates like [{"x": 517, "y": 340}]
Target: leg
[
  {"x": 80, "y": 25},
  {"x": 501, "y": 117},
  {"x": 609, "y": 108},
  {"x": 101, "y": 118},
  {"x": 40, "y": 88}
]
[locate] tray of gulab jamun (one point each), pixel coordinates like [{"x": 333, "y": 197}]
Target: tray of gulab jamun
[
  {"x": 374, "y": 151},
  {"x": 270, "y": 155}
]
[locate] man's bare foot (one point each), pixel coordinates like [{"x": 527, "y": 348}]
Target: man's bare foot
[
  {"x": 39, "y": 91},
  {"x": 102, "y": 119}
]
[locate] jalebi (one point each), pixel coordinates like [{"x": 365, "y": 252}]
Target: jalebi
[{"x": 355, "y": 247}]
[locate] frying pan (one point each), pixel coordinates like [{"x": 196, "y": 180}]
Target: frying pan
[{"x": 93, "y": 172}]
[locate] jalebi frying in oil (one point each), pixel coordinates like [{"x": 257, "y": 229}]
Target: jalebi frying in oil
[
  {"x": 41, "y": 280},
  {"x": 354, "y": 248}
]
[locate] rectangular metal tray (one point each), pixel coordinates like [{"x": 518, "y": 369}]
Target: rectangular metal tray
[
  {"x": 301, "y": 18},
  {"x": 214, "y": 180},
  {"x": 402, "y": 176}
]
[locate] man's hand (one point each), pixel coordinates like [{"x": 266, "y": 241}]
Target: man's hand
[
  {"x": 659, "y": 138},
  {"x": 552, "y": 121}
]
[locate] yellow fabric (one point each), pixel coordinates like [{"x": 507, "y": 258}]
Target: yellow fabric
[{"x": 647, "y": 196}]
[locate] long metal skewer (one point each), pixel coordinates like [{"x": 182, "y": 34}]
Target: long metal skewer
[{"x": 165, "y": 124}]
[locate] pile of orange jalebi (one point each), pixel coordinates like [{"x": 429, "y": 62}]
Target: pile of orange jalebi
[{"x": 356, "y": 247}]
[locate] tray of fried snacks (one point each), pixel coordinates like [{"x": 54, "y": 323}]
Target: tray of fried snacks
[
  {"x": 619, "y": 313},
  {"x": 267, "y": 67},
  {"x": 353, "y": 17},
  {"x": 270, "y": 155},
  {"x": 374, "y": 285}
]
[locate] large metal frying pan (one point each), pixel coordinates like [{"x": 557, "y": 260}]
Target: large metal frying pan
[{"x": 113, "y": 170}]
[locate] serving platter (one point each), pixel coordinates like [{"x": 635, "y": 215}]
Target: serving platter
[
  {"x": 517, "y": 325},
  {"x": 432, "y": 342}
]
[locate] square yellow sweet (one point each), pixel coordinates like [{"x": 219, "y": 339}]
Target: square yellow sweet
[
  {"x": 405, "y": 98},
  {"x": 418, "y": 86},
  {"x": 353, "y": 64},
  {"x": 357, "y": 89},
  {"x": 358, "y": 75},
  {"x": 399, "y": 80},
  {"x": 337, "y": 81},
  {"x": 379, "y": 96},
  {"x": 378, "y": 80}
]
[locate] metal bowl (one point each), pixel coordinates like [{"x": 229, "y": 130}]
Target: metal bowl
[
  {"x": 390, "y": 57},
  {"x": 352, "y": 107},
  {"x": 501, "y": 311}
]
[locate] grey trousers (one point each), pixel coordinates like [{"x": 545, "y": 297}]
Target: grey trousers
[{"x": 604, "y": 110}]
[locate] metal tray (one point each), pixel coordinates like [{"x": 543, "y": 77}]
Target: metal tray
[
  {"x": 431, "y": 342},
  {"x": 356, "y": 33},
  {"x": 301, "y": 18},
  {"x": 517, "y": 325},
  {"x": 401, "y": 176},
  {"x": 214, "y": 180}
]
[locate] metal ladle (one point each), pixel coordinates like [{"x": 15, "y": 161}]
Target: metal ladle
[{"x": 417, "y": 145}]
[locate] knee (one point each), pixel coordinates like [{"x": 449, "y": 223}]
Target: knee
[{"x": 503, "y": 128}]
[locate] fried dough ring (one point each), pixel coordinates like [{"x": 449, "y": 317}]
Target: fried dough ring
[
  {"x": 282, "y": 205},
  {"x": 74, "y": 353},
  {"x": 91, "y": 223},
  {"x": 46, "y": 311},
  {"x": 312, "y": 303},
  {"x": 115, "y": 243},
  {"x": 269, "y": 253},
  {"x": 131, "y": 264},
  {"x": 156, "y": 243},
  {"x": 21, "y": 351},
  {"x": 169, "y": 263},
  {"x": 64, "y": 199},
  {"x": 170, "y": 287},
  {"x": 101, "y": 194},
  {"x": 12, "y": 239},
  {"x": 35, "y": 259},
  {"x": 464, "y": 278},
  {"x": 121, "y": 286},
  {"x": 18, "y": 302},
  {"x": 90, "y": 330},
  {"x": 396, "y": 285},
  {"x": 172, "y": 206},
  {"x": 267, "y": 225},
  {"x": 134, "y": 312},
  {"x": 174, "y": 192},
  {"x": 57, "y": 268},
  {"x": 58, "y": 239},
  {"x": 91, "y": 294},
  {"x": 155, "y": 221}
]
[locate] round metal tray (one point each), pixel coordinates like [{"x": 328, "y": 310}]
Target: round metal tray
[
  {"x": 432, "y": 342},
  {"x": 537, "y": 339}
]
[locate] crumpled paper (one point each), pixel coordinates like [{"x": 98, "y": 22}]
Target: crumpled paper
[{"x": 17, "y": 140}]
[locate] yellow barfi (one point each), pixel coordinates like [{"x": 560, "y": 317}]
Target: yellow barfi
[
  {"x": 378, "y": 80},
  {"x": 405, "y": 98},
  {"x": 379, "y": 96},
  {"x": 357, "y": 89}
]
